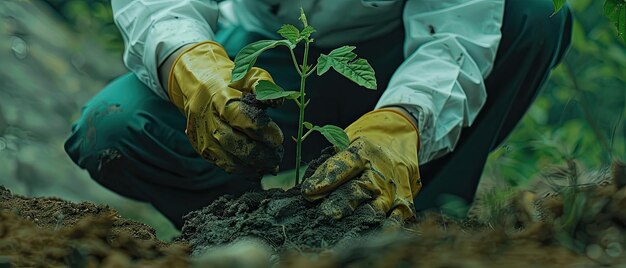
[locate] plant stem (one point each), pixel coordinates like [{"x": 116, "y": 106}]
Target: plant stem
[
  {"x": 301, "y": 107},
  {"x": 295, "y": 62},
  {"x": 307, "y": 134}
]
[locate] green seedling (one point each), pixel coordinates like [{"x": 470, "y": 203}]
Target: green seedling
[{"x": 343, "y": 60}]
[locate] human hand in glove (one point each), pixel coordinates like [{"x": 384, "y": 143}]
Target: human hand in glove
[
  {"x": 379, "y": 168},
  {"x": 221, "y": 127}
]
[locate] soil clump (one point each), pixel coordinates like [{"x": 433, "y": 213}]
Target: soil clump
[
  {"x": 264, "y": 158},
  {"x": 282, "y": 219},
  {"x": 50, "y": 232}
]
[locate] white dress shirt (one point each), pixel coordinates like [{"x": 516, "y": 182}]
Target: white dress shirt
[{"x": 449, "y": 48}]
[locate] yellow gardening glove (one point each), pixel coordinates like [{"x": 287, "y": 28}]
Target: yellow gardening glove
[
  {"x": 222, "y": 129},
  {"x": 380, "y": 167}
]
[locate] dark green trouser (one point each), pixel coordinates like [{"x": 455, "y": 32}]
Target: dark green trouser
[{"x": 133, "y": 142}]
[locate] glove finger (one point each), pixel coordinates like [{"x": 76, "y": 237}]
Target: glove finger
[
  {"x": 394, "y": 221},
  {"x": 392, "y": 196},
  {"x": 382, "y": 204},
  {"x": 254, "y": 123},
  {"x": 332, "y": 173},
  {"x": 403, "y": 202},
  {"x": 199, "y": 131},
  {"x": 251, "y": 153},
  {"x": 343, "y": 201},
  {"x": 221, "y": 158},
  {"x": 403, "y": 209}
]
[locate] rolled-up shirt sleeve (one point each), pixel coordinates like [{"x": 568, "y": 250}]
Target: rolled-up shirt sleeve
[
  {"x": 152, "y": 30},
  {"x": 450, "y": 47}
]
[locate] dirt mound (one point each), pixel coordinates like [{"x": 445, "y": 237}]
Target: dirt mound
[
  {"x": 437, "y": 241},
  {"x": 568, "y": 218},
  {"x": 49, "y": 232},
  {"x": 283, "y": 219}
]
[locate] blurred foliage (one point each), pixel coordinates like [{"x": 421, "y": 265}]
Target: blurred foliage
[
  {"x": 614, "y": 10},
  {"x": 580, "y": 112},
  {"x": 91, "y": 16}
]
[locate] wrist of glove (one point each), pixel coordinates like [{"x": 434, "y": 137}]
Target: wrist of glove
[
  {"x": 221, "y": 127},
  {"x": 380, "y": 168}
]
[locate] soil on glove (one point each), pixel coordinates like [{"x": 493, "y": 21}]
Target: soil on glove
[
  {"x": 262, "y": 157},
  {"x": 49, "y": 232},
  {"x": 255, "y": 109}
]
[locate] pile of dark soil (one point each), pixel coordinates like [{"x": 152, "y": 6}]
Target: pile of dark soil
[
  {"x": 569, "y": 218},
  {"x": 49, "y": 232},
  {"x": 283, "y": 219},
  {"x": 440, "y": 242}
]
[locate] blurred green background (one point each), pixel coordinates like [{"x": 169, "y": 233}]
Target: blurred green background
[
  {"x": 580, "y": 112},
  {"x": 56, "y": 54}
]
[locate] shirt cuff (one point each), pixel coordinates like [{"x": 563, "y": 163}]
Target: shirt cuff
[{"x": 163, "y": 39}]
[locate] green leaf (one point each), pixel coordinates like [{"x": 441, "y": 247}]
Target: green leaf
[
  {"x": 360, "y": 72},
  {"x": 342, "y": 60},
  {"x": 610, "y": 10},
  {"x": 334, "y": 135},
  {"x": 292, "y": 95},
  {"x": 302, "y": 18},
  {"x": 247, "y": 56},
  {"x": 342, "y": 54},
  {"x": 266, "y": 90},
  {"x": 323, "y": 64},
  {"x": 558, "y": 4},
  {"x": 615, "y": 11},
  {"x": 290, "y": 33},
  {"x": 307, "y": 125},
  {"x": 307, "y": 31}
]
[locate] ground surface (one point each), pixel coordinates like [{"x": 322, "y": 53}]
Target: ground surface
[
  {"x": 49, "y": 232},
  {"x": 49, "y": 70},
  {"x": 546, "y": 225}
]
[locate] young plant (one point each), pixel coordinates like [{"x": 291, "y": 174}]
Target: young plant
[{"x": 343, "y": 60}]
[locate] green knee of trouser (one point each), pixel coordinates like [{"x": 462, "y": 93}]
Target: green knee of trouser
[{"x": 133, "y": 143}]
